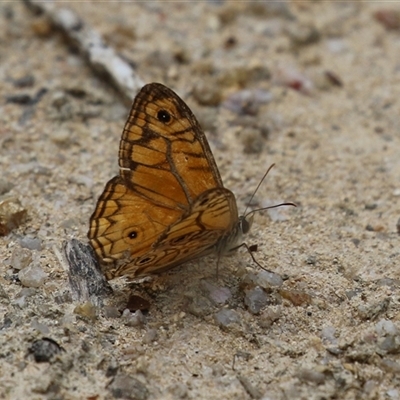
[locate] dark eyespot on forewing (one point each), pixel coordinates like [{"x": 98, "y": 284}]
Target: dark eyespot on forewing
[{"x": 164, "y": 116}]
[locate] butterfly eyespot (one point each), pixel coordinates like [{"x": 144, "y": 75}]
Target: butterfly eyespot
[
  {"x": 164, "y": 116},
  {"x": 132, "y": 235}
]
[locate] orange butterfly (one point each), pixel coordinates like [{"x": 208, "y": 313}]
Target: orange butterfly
[{"x": 168, "y": 204}]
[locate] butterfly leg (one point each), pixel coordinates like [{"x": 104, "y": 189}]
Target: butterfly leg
[{"x": 250, "y": 250}]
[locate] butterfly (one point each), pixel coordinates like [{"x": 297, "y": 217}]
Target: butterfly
[{"x": 168, "y": 204}]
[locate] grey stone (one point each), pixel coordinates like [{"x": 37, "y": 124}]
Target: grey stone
[{"x": 32, "y": 276}]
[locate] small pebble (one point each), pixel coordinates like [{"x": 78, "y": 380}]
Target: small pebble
[
  {"x": 389, "y": 337},
  {"x": 393, "y": 394},
  {"x": 333, "y": 78},
  {"x": 375, "y": 228},
  {"x": 302, "y": 35},
  {"x": 252, "y": 140},
  {"x": 398, "y": 226},
  {"x": 127, "y": 387},
  {"x": 70, "y": 223},
  {"x": 42, "y": 328},
  {"x": 112, "y": 367},
  {"x": 293, "y": 78},
  {"x": 351, "y": 293},
  {"x": 207, "y": 93},
  {"x": 389, "y": 344},
  {"x": 389, "y": 18},
  {"x": 61, "y": 136},
  {"x": 31, "y": 243},
  {"x": 268, "y": 279},
  {"x": 59, "y": 99},
  {"x": 308, "y": 375},
  {"x": 247, "y": 101},
  {"x": 198, "y": 305},
  {"x": 249, "y": 280},
  {"x": 42, "y": 27},
  {"x": 336, "y": 351},
  {"x": 256, "y": 299},
  {"x": 20, "y": 298},
  {"x": 336, "y": 46},
  {"x": 20, "y": 258},
  {"x": 296, "y": 297},
  {"x": 390, "y": 366},
  {"x": 269, "y": 316},
  {"x": 44, "y": 383},
  {"x": 12, "y": 214},
  {"x": 373, "y": 311},
  {"x": 133, "y": 319},
  {"x": 385, "y": 327},
  {"x": 111, "y": 312},
  {"x": 218, "y": 295},
  {"x": 7, "y": 322},
  {"x": 361, "y": 354},
  {"x": 226, "y": 318},
  {"x": 392, "y": 283},
  {"x": 43, "y": 350},
  {"x": 32, "y": 276},
  {"x": 328, "y": 334},
  {"x": 150, "y": 336},
  {"x": 311, "y": 260},
  {"x": 86, "y": 310}
]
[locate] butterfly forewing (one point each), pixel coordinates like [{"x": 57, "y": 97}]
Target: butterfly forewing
[{"x": 163, "y": 142}]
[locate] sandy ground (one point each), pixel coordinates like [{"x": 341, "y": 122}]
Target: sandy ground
[{"x": 331, "y": 73}]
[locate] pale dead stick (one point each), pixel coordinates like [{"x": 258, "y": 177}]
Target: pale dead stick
[{"x": 101, "y": 58}]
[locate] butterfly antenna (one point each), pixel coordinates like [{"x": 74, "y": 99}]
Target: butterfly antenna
[
  {"x": 268, "y": 208},
  {"x": 258, "y": 186}
]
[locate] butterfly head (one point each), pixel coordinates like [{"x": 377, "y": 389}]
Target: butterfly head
[
  {"x": 234, "y": 239},
  {"x": 245, "y": 223}
]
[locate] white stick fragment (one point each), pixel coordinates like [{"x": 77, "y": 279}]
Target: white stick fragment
[{"x": 102, "y": 58}]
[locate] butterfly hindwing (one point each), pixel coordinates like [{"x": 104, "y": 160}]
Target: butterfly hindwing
[{"x": 192, "y": 236}]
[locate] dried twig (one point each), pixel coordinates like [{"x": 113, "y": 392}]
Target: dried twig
[
  {"x": 86, "y": 280},
  {"x": 102, "y": 58}
]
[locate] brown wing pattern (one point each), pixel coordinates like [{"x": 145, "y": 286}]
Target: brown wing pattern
[
  {"x": 168, "y": 204},
  {"x": 164, "y": 154},
  {"x": 124, "y": 223},
  {"x": 213, "y": 215}
]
